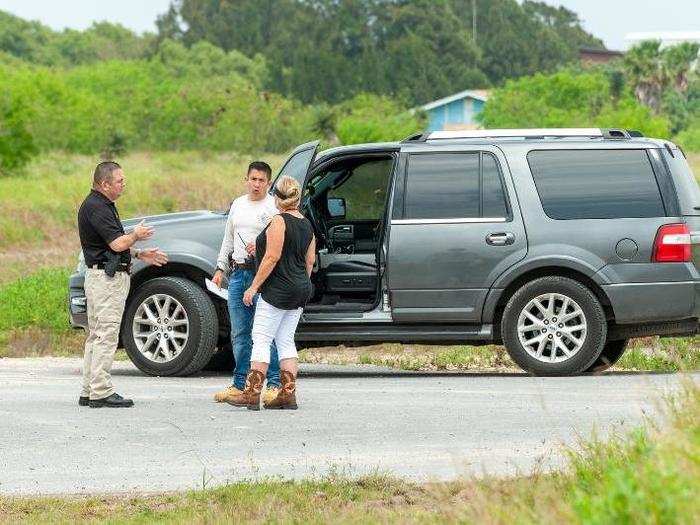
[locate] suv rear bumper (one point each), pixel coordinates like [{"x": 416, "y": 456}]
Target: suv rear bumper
[{"x": 657, "y": 301}]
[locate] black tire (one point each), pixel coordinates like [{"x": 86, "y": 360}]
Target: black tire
[
  {"x": 203, "y": 327},
  {"x": 611, "y": 354},
  {"x": 595, "y": 319}
]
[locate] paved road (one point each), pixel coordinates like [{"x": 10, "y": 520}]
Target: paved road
[{"x": 352, "y": 420}]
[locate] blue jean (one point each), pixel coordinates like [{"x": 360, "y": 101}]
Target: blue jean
[{"x": 241, "y": 317}]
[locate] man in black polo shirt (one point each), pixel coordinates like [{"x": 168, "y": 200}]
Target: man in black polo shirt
[{"x": 107, "y": 250}]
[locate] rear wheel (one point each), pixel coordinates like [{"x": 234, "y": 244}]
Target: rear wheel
[
  {"x": 170, "y": 327},
  {"x": 611, "y": 354},
  {"x": 554, "y": 326}
]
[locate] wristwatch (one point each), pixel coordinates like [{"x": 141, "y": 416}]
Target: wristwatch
[{"x": 137, "y": 252}]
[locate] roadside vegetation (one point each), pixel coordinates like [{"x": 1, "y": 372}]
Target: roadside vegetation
[
  {"x": 648, "y": 476},
  {"x": 650, "y": 354}
]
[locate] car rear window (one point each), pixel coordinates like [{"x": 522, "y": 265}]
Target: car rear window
[{"x": 596, "y": 184}]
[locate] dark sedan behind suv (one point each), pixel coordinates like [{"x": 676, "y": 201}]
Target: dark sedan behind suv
[{"x": 560, "y": 243}]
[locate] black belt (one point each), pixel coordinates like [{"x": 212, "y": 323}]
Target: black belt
[
  {"x": 123, "y": 267},
  {"x": 243, "y": 266}
]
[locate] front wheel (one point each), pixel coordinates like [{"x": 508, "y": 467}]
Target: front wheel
[
  {"x": 554, "y": 326},
  {"x": 170, "y": 327}
]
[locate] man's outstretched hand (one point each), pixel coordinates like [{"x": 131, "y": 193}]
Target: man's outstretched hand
[
  {"x": 143, "y": 232},
  {"x": 153, "y": 256}
]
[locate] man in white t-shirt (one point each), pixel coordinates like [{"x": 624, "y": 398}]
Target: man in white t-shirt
[{"x": 248, "y": 216}]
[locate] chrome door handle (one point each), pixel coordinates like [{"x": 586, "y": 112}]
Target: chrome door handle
[{"x": 500, "y": 238}]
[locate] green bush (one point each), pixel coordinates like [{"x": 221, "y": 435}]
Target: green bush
[
  {"x": 17, "y": 145},
  {"x": 198, "y": 98},
  {"x": 569, "y": 99},
  {"x": 373, "y": 118},
  {"x": 690, "y": 138},
  {"x": 38, "y": 300}
]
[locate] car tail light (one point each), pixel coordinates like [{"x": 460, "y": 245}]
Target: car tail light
[{"x": 672, "y": 244}]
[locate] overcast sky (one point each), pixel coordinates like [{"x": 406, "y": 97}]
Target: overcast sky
[{"x": 607, "y": 19}]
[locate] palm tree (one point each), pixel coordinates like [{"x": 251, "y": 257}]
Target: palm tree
[
  {"x": 679, "y": 62},
  {"x": 643, "y": 66},
  {"x": 652, "y": 70}
]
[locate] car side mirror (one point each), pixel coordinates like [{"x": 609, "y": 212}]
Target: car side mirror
[{"x": 336, "y": 208}]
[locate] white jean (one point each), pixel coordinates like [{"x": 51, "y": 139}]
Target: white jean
[{"x": 273, "y": 323}]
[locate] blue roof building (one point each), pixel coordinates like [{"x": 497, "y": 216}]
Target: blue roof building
[{"x": 457, "y": 111}]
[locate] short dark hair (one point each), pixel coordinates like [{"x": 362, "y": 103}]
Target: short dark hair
[
  {"x": 259, "y": 165},
  {"x": 104, "y": 172}
]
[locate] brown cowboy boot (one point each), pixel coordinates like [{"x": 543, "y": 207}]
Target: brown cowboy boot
[
  {"x": 250, "y": 396},
  {"x": 286, "y": 399}
]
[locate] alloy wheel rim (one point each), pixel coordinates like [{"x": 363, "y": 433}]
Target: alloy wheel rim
[
  {"x": 552, "y": 328},
  {"x": 160, "y": 328}
]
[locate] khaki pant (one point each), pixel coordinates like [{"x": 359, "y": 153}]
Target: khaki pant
[{"x": 105, "y": 305}]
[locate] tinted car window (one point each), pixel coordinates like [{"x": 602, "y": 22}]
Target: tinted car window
[
  {"x": 596, "y": 184},
  {"x": 442, "y": 186},
  {"x": 492, "y": 189},
  {"x": 448, "y": 186}
]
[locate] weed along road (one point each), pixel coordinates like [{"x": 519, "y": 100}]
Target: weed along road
[{"x": 352, "y": 420}]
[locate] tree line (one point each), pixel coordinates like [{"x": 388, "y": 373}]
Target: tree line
[
  {"x": 420, "y": 50},
  {"x": 331, "y": 50}
]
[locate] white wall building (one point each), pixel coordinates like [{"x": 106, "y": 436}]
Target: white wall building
[{"x": 668, "y": 38}]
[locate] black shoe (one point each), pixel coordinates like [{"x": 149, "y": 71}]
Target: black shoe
[
  {"x": 113, "y": 401},
  {"x": 83, "y": 401}
]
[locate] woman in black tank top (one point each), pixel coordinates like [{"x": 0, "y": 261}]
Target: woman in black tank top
[
  {"x": 285, "y": 253},
  {"x": 289, "y": 285}
]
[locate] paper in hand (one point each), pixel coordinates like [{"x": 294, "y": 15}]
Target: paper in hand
[{"x": 219, "y": 292}]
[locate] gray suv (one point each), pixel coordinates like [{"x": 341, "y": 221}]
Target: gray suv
[{"x": 559, "y": 243}]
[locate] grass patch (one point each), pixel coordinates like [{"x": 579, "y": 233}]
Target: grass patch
[
  {"x": 650, "y": 354},
  {"x": 38, "y": 300},
  {"x": 662, "y": 354},
  {"x": 651, "y": 475},
  {"x": 34, "y": 317},
  {"x": 414, "y": 357},
  {"x": 37, "y": 342},
  {"x": 41, "y": 206}
]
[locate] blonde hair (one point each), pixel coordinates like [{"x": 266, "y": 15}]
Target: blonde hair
[{"x": 287, "y": 193}]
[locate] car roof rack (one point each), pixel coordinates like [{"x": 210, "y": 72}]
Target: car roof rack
[
  {"x": 421, "y": 136},
  {"x": 525, "y": 133}
]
